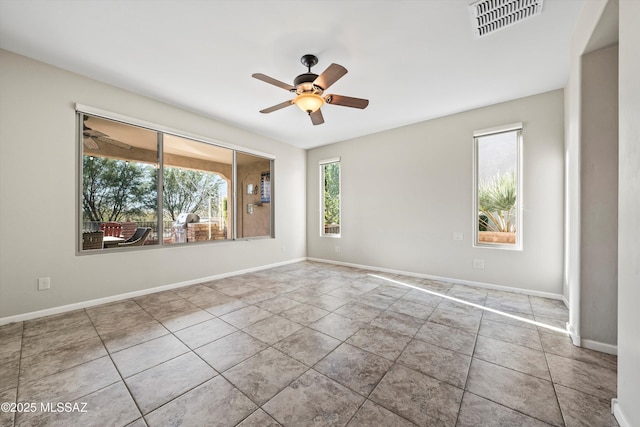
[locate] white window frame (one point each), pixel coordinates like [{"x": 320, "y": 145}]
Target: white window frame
[
  {"x": 513, "y": 127},
  {"x": 322, "y": 163}
]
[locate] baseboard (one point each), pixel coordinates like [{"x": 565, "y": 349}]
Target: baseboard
[
  {"x": 575, "y": 338},
  {"x": 616, "y": 410},
  {"x": 134, "y": 294},
  {"x": 444, "y": 279},
  {"x": 599, "y": 346}
]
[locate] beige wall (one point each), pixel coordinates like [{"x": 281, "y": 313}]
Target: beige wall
[
  {"x": 407, "y": 190},
  {"x": 627, "y": 407},
  {"x": 38, "y": 187},
  {"x": 599, "y": 197}
]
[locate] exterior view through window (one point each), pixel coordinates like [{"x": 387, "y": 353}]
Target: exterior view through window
[
  {"x": 123, "y": 167},
  {"x": 498, "y": 195},
  {"x": 330, "y": 195}
]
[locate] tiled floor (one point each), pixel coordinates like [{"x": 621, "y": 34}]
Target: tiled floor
[{"x": 306, "y": 344}]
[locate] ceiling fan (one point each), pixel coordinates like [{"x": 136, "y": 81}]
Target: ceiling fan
[
  {"x": 310, "y": 87},
  {"x": 91, "y": 138}
]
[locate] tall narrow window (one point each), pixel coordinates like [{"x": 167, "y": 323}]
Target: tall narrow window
[
  {"x": 330, "y": 197},
  {"x": 498, "y": 184}
]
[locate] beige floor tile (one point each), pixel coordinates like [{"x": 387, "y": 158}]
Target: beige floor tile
[
  {"x": 456, "y": 319},
  {"x": 590, "y": 379},
  {"x": 307, "y": 346},
  {"x": 314, "y": 399},
  {"x": 215, "y": 403},
  {"x": 476, "y": 411},
  {"x": 277, "y": 305},
  {"x": 413, "y": 309},
  {"x": 530, "y": 395},
  {"x": 583, "y": 410},
  {"x": 513, "y": 356},
  {"x": 262, "y": 376},
  {"x": 203, "y": 333},
  {"x": 245, "y": 316},
  {"x": 513, "y": 334},
  {"x": 147, "y": 355},
  {"x": 380, "y": 341},
  {"x": 8, "y": 396},
  {"x": 398, "y": 323},
  {"x": 371, "y": 414},
  {"x": 437, "y": 362},
  {"x": 561, "y": 345},
  {"x": 111, "y": 405},
  {"x": 447, "y": 337},
  {"x": 259, "y": 419},
  {"x": 354, "y": 368},
  {"x": 71, "y": 384},
  {"x": 359, "y": 312},
  {"x": 227, "y": 352},
  {"x": 418, "y": 397},
  {"x": 304, "y": 314},
  {"x": 273, "y": 329},
  {"x": 337, "y": 326},
  {"x": 158, "y": 385},
  {"x": 56, "y": 360}
]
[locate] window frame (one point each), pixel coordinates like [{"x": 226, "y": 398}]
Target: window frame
[
  {"x": 513, "y": 127},
  {"x": 322, "y": 164},
  {"x": 81, "y": 110}
]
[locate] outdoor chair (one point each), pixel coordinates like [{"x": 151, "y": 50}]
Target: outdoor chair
[
  {"x": 138, "y": 238},
  {"x": 111, "y": 228},
  {"x": 92, "y": 240}
]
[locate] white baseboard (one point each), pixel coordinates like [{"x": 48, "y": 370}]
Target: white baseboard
[
  {"x": 599, "y": 346},
  {"x": 575, "y": 338},
  {"x": 616, "y": 410},
  {"x": 120, "y": 297},
  {"x": 444, "y": 279}
]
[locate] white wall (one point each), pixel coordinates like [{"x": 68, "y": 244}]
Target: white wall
[
  {"x": 629, "y": 218},
  {"x": 599, "y": 197},
  {"x": 405, "y": 191},
  {"x": 38, "y": 187}
]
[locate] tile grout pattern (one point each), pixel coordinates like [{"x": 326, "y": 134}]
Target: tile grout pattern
[{"x": 306, "y": 344}]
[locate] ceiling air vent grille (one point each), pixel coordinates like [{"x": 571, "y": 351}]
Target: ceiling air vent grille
[{"x": 492, "y": 15}]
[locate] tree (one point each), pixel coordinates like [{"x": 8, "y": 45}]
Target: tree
[
  {"x": 190, "y": 191},
  {"x": 332, "y": 193},
  {"x": 114, "y": 189},
  {"x": 496, "y": 203}
]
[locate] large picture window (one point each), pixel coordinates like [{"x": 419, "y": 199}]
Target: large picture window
[
  {"x": 498, "y": 187},
  {"x": 142, "y": 187},
  {"x": 330, "y": 197}
]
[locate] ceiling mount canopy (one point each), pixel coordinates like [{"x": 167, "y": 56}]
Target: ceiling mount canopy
[{"x": 309, "y": 89}]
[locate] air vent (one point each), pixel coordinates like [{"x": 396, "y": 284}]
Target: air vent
[{"x": 492, "y": 15}]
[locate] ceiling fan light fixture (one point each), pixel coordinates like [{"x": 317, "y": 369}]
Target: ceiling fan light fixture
[{"x": 309, "y": 102}]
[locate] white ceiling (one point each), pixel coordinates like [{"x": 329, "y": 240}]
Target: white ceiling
[{"x": 413, "y": 59}]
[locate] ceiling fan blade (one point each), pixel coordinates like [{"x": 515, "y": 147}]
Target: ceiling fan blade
[
  {"x": 114, "y": 142},
  {"x": 273, "y": 81},
  {"x": 90, "y": 143},
  {"x": 347, "y": 101},
  {"x": 277, "y": 107},
  {"x": 330, "y": 76},
  {"x": 90, "y": 132},
  {"x": 316, "y": 117}
]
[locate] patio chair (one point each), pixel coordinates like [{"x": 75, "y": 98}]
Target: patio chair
[
  {"x": 92, "y": 240},
  {"x": 111, "y": 228},
  {"x": 138, "y": 238}
]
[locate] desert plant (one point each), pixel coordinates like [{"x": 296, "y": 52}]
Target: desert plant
[{"x": 496, "y": 203}]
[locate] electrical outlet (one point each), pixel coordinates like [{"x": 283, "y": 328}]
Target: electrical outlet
[
  {"x": 478, "y": 263},
  {"x": 458, "y": 235},
  {"x": 338, "y": 249},
  {"x": 44, "y": 283}
]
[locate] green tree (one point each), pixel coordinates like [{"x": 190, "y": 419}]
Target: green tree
[
  {"x": 332, "y": 193},
  {"x": 114, "y": 189},
  {"x": 190, "y": 191},
  {"x": 496, "y": 203}
]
